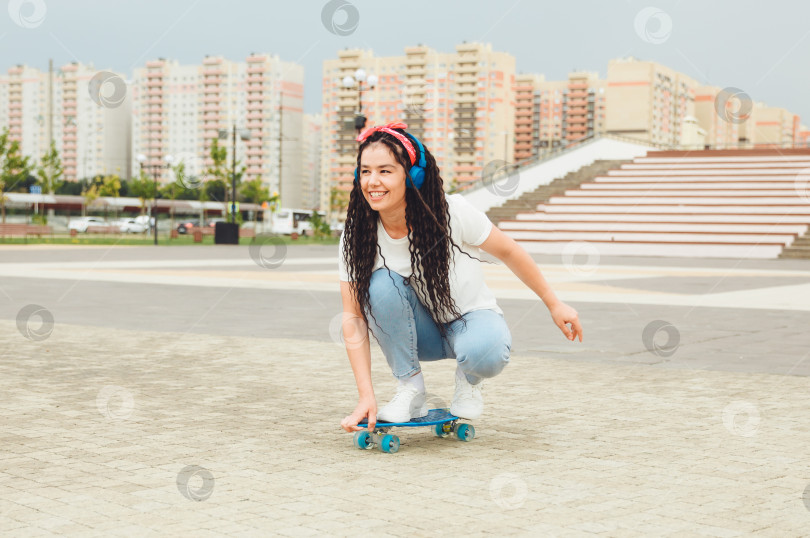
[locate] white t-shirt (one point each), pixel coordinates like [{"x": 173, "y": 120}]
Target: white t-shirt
[{"x": 469, "y": 228}]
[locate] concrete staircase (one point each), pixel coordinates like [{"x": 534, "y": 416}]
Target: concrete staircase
[
  {"x": 706, "y": 203},
  {"x": 529, "y": 201},
  {"x": 800, "y": 248}
]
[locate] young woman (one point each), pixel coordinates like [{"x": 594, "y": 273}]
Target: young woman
[{"x": 409, "y": 271}]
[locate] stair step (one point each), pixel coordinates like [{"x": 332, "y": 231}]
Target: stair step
[
  {"x": 529, "y": 201},
  {"x": 795, "y": 255}
]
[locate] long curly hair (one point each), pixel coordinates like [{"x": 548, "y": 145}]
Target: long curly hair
[{"x": 428, "y": 222}]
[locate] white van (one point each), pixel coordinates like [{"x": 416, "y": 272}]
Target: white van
[{"x": 286, "y": 221}]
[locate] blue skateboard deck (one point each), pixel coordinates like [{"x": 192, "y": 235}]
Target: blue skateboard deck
[
  {"x": 442, "y": 421},
  {"x": 434, "y": 416}
]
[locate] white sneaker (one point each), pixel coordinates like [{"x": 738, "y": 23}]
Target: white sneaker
[
  {"x": 406, "y": 404},
  {"x": 467, "y": 400}
]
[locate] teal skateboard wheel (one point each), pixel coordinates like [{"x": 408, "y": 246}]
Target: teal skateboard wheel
[
  {"x": 390, "y": 443},
  {"x": 465, "y": 432},
  {"x": 362, "y": 440}
]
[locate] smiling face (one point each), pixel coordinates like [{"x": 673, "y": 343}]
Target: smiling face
[{"x": 382, "y": 179}]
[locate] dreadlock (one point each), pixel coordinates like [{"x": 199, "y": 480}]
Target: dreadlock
[{"x": 428, "y": 221}]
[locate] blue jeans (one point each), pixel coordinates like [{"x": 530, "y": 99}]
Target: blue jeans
[{"x": 407, "y": 334}]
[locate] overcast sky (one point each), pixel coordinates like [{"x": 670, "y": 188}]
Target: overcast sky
[{"x": 762, "y": 48}]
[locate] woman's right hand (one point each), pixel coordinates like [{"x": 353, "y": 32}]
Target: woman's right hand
[{"x": 366, "y": 407}]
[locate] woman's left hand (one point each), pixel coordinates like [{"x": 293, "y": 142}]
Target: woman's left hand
[{"x": 562, "y": 314}]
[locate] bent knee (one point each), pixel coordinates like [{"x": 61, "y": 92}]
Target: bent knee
[
  {"x": 386, "y": 290},
  {"x": 487, "y": 363}
]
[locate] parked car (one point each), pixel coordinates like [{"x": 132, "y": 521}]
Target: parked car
[
  {"x": 146, "y": 220},
  {"x": 81, "y": 224},
  {"x": 132, "y": 226},
  {"x": 184, "y": 226}
]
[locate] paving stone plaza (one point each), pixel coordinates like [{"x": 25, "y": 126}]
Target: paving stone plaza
[{"x": 199, "y": 391}]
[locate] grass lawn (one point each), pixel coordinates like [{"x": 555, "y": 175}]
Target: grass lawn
[{"x": 147, "y": 240}]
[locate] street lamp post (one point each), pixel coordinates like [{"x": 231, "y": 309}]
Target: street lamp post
[
  {"x": 359, "y": 78},
  {"x": 155, "y": 171},
  {"x": 244, "y": 134}
]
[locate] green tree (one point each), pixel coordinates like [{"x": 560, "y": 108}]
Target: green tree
[
  {"x": 110, "y": 187},
  {"x": 175, "y": 189},
  {"x": 90, "y": 195},
  {"x": 14, "y": 167},
  {"x": 320, "y": 227},
  {"x": 338, "y": 200},
  {"x": 220, "y": 171},
  {"x": 214, "y": 190},
  {"x": 143, "y": 187},
  {"x": 255, "y": 192},
  {"x": 50, "y": 170}
]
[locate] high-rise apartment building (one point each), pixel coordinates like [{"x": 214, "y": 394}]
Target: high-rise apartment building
[
  {"x": 550, "y": 114},
  {"x": 311, "y": 162},
  {"x": 93, "y": 122},
  {"x": 70, "y": 107},
  {"x": 460, "y": 104},
  {"x": 584, "y": 104},
  {"x": 648, "y": 101},
  {"x": 803, "y": 138},
  {"x": 721, "y": 131},
  {"x": 769, "y": 127},
  {"x": 179, "y": 110}
]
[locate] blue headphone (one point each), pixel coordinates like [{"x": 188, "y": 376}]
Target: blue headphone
[{"x": 416, "y": 174}]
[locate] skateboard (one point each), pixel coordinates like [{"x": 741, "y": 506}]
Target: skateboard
[{"x": 443, "y": 424}]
